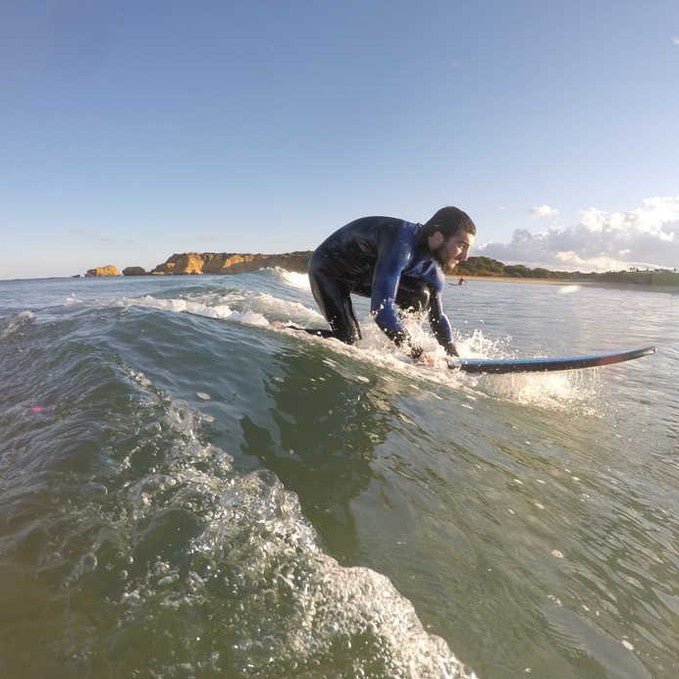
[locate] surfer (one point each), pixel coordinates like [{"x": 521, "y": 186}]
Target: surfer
[{"x": 399, "y": 265}]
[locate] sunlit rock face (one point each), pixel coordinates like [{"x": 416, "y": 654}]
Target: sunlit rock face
[
  {"x": 108, "y": 270},
  {"x": 230, "y": 262}
]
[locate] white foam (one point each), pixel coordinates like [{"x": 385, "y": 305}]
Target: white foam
[
  {"x": 550, "y": 391},
  {"x": 569, "y": 289},
  {"x": 377, "y": 350},
  {"x": 181, "y": 306},
  {"x": 198, "y": 308},
  {"x": 282, "y": 309},
  {"x": 547, "y": 391},
  {"x": 245, "y": 307},
  {"x": 16, "y": 322},
  {"x": 295, "y": 279},
  {"x": 544, "y": 390},
  {"x": 72, "y": 299},
  {"x": 289, "y": 604}
]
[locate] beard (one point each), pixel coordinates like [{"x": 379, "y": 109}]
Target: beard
[{"x": 439, "y": 256}]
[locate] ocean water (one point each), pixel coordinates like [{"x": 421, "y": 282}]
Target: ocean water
[{"x": 188, "y": 491}]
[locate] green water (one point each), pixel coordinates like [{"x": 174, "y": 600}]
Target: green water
[{"x": 206, "y": 496}]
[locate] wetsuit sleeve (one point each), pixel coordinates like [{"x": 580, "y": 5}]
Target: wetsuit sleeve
[
  {"x": 392, "y": 258},
  {"x": 440, "y": 325}
]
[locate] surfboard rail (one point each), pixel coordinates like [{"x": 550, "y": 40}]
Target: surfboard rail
[{"x": 524, "y": 365}]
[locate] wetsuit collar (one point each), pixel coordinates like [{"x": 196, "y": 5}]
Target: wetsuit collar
[
  {"x": 421, "y": 239},
  {"x": 422, "y": 248}
]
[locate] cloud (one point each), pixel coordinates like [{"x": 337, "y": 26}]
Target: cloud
[
  {"x": 675, "y": 41},
  {"x": 646, "y": 236},
  {"x": 544, "y": 211}
]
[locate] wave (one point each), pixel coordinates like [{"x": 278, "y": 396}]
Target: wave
[
  {"x": 157, "y": 554},
  {"x": 294, "y": 279},
  {"x": 553, "y": 391},
  {"x": 253, "y": 308},
  {"x": 291, "y": 609},
  {"x": 14, "y": 323},
  {"x": 183, "y": 492}
]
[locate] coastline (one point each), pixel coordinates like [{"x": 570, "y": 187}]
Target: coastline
[
  {"x": 672, "y": 290},
  {"x": 512, "y": 279}
]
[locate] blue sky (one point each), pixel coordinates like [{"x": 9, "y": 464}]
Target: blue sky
[{"x": 133, "y": 131}]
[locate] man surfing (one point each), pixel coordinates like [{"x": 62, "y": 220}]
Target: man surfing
[{"x": 399, "y": 265}]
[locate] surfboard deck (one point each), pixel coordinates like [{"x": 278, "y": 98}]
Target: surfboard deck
[
  {"x": 499, "y": 366},
  {"x": 530, "y": 365}
]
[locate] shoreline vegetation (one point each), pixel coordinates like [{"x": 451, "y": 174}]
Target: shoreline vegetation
[
  {"x": 475, "y": 268},
  {"x": 485, "y": 268}
]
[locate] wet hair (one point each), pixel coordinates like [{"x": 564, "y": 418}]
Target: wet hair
[{"x": 450, "y": 221}]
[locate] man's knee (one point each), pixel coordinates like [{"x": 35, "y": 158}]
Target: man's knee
[
  {"x": 347, "y": 333},
  {"x": 334, "y": 301}
]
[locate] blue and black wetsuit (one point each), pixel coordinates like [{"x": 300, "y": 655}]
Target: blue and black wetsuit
[{"x": 388, "y": 260}]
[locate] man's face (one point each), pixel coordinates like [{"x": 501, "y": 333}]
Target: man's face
[{"x": 448, "y": 253}]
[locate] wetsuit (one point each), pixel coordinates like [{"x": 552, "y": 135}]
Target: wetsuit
[{"x": 388, "y": 260}]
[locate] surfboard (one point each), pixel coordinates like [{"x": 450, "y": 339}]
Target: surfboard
[
  {"x": 499, "y": 366},
  {"x": 531, "y": 365}
]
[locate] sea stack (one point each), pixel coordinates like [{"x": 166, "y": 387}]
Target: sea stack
[
  {"x": 108, "y": 270},
  {"x": 134, "y": 271}
]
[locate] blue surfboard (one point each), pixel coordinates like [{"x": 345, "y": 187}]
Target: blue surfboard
[
  {"x": 498, "y": 366},
  {"x": 532, "y": 365}
]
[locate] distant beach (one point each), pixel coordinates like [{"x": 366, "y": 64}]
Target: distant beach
[
  {"x": 559, "y": 281},
  {"x": 508, "y": 279}
]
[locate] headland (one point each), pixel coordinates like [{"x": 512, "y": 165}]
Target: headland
[{"x": 475, "y": 268}]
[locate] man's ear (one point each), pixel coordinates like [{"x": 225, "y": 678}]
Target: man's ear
[{"x": 435, "y": 240}]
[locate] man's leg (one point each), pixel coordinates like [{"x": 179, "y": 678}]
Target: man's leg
[{"x": 334, "y": 302}]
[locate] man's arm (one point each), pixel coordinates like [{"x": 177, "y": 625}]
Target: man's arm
[
  {"x": 391, "y": 261},
  {"x": 440, "y": 324}
]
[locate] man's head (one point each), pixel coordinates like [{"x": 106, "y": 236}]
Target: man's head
[{"x": 449, "y": 235}]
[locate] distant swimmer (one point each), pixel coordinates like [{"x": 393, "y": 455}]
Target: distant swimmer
[
  {"x": 461, "y": 281},
  {"x": 398, "y": 265}
]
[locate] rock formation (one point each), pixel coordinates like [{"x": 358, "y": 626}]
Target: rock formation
[
  {"x": 230, "y": 262},
  {"x": 108, "y": 270},
  {"x": 134, "y": 271}
]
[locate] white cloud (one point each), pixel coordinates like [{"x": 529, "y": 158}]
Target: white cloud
[
  {"x": 646, "y": 236},
  {"x": 676, "y": 41},
  {"x": 571, "y": 260},
  {"x": 544, "y": 211}
]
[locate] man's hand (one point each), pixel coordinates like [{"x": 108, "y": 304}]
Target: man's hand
[
  {"x": 451, "y": 349},
  {"x": 426, "y": 358},
  {"x": 422, "y": 357}
]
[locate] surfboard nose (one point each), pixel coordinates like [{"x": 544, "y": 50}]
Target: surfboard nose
[{"x": 525, "y": 365}]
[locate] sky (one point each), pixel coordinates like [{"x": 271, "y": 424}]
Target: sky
[{"x": 133, "y": 130}]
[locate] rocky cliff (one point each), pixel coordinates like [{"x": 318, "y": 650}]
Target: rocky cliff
[
  {"x": 108, "y": 270},
  {"x": 230, "y": 262},
  {"x": 134, "y": 271}
]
